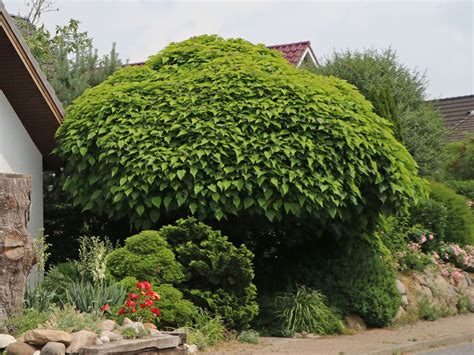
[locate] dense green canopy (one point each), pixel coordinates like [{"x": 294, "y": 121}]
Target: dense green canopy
[{"x": 216, "y": 127}]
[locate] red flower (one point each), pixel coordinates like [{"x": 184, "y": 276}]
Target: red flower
[
  {"x": 148, "y": 302},
  {"x": 142, "y": 305},
  {"x": 130, "y": 303},
  {"x": 155, "y": 311},
  {"x": 133, "y": 296},
  {"x": 133, "y": 310},
  {"x": 122, "y": 311},
  {"x": 105, "y": 308},
  {"x": 144, "y": 285}
]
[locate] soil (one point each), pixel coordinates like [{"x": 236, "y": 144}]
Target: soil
[{"x": 358, "y": 343}]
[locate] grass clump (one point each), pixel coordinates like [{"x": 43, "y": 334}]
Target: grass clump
[
  {"x": 248, "y": 336},
  {"x": 207, "y": 331},
  {"x": 306, "y": 310}
]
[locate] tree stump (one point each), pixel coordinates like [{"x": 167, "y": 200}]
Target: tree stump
[{"x": 17, "y": 250}]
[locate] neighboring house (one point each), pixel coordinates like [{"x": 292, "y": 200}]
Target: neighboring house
[
  {"x": 300, "y": 54},
  {"x": 458, "y": 115},
  {"x": 30, "y": 114}
]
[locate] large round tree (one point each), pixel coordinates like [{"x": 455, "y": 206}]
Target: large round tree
[{"x": 218, "y": 128}]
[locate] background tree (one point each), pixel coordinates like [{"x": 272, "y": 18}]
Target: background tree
[
  {"x": 398, "y": 94},
  {"x": 67, "y": 57}
]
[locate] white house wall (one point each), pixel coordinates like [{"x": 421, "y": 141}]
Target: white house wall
[{"x": 18, "y": 154}]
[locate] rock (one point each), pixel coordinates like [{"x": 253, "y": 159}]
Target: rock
[
  {"x": 401, "y": 287},
  {"x": 106, "y": 324},
  {"x": 155, "y": 333},
  {"x": 137, "y": 326},
  {"x": 404, "y": 300},
  {"x": 81, "y": 339},
  {"x": 5, "y": 340},
  {"x": 355, "y": 322},
  {"x": 400, "y": 314},
  {"x": 104, "y": 339},
  {"x": 20, "y": 349},
  {"x": 149, "y": 325},
  {"x": 37, "y": 352},
  {"x": 53, "y": 348},
  {"x": 98, "y": 342},
  {"x": 21, "y": 338},
  {"x": 112, "y": 336},
  {"x": 127, "y": 321},
  {"x": 43, "y": 336},
  {"x": 190, "y": 348}
]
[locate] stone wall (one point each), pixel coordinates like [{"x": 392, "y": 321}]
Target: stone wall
[{"x": 445, "y": 295}]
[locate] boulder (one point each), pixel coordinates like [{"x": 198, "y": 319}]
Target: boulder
[
  {"x": 106, "y": 324},
  {"x": 404, "y": 300},
  {"x": 98, "y": 342},
  {"x": 127, "y": 321},
  {"x": 5, "y": 340},
  {"x": 401, "y": 287},
  {"x": 191, "y": 349},
  {"x": 149, "y": 325},
  {"x": 112, "y": 336},
  {"x": 53, "y": 348},
  {"x": 43, "y": 336},
  {"x": 104, "y": 339},
  {"x": 81, "y": 339},
  {"x": 20, "y": 349},
  {"x": 355, "y": 322},
  {"x": 137, "y": 326}
]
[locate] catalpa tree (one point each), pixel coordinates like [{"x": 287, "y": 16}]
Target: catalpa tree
[{"x": 217, "y": 128}]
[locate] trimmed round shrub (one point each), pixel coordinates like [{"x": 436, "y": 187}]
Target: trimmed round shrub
[
  {"x": 146, "y": 256},
  {"x": 219, "y": 274},
  {"x": 217, "y": 128}
]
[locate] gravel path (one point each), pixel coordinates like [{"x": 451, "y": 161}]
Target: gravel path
[
  {"x": 465, "y": 349},
  {"x": 377, "y": 341}
]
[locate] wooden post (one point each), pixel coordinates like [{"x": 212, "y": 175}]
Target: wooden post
[{"x": 17, "y": 250}]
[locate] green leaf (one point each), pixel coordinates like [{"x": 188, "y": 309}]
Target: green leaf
[
  {"x": 181, "y": 173},
  {"x": 156, "y": 201},
  {"x": 140, "y": 209}
]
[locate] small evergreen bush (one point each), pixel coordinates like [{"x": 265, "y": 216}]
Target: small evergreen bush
[
  {"x": 146, "y": 256},
  {"x": 175, "y": 311},
  {"x": 218, "y": 274}
]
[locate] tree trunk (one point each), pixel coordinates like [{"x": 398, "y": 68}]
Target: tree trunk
[{"x": 17, "y": 250}]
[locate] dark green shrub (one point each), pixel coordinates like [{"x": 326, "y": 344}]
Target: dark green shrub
[
  {"x": 462, "y": 187},
  {"x": 219, "y": 128},
  {"x": 460, "y": 218},
  {"x": 219, "y": 275},
  {"x": 305, "y": 310},
  {"x": 358, "y": 278},
  {"x": 146, "y": 256}
]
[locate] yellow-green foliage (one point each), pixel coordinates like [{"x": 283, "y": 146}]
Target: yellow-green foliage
[
  {"x": 146, "y": 256},
  {"x": 213, "y": 128}
]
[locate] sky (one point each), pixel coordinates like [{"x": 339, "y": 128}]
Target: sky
[{"x": 432, "y": 37}]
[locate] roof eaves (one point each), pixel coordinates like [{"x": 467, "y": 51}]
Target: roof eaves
[{"x": 7, "y": 23}]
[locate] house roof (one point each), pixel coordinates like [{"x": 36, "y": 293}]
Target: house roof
[
  {"x": 458, "y": 115},
  {"x": 27, "y": 89},
  {"x": 295, "y": 53}
]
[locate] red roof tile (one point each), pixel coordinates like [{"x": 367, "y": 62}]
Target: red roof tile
[{"x": 293, "y": 52}]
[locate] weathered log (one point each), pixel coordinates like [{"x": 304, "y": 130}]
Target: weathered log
[{"x": 17, "y": 250}]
